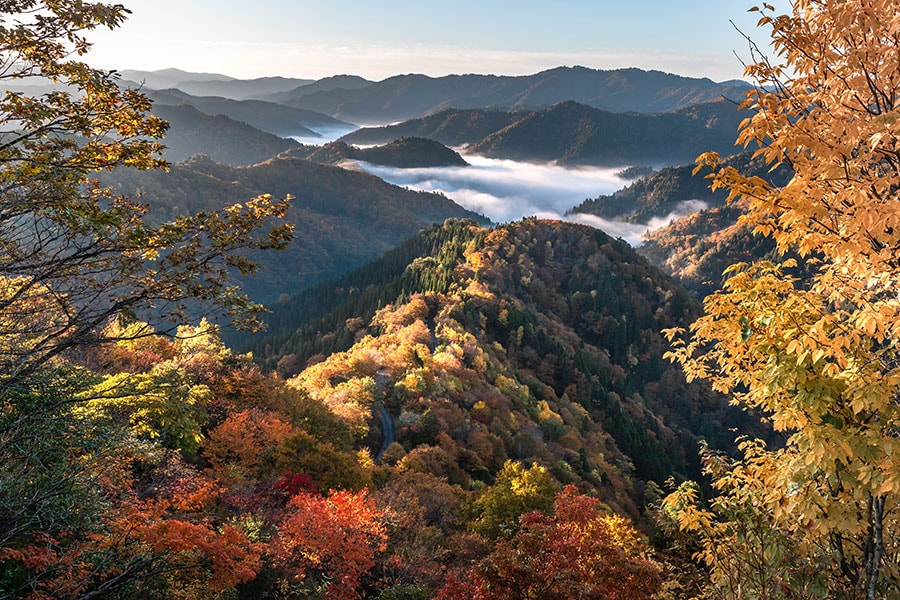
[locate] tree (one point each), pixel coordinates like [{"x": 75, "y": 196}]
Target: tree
[
  {"x": 818, "y": 350},
  {"x": 334, "y": 537},
  {"x": 516, "y": 491},
  {"x": 576, "y": 552},
  {"x": 72, "y": 254}
]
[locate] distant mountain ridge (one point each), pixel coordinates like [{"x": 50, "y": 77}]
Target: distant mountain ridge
[
  {"x": 452, "y": 126},
  {"x": 211, "y": 84},
  {"x": 221, "y": 138},
  {"x": 575, "y": 134},
  {"x": 277, "y": 119},
  {"x": 572, "y": 133},
  {"x": 404, "y": 97},
  {"x": 335, "y": 82}
]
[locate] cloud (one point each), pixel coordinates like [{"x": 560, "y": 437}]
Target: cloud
[
  {"x": 634, "y": 233},
  {"x": 506, "y": 190},
  {"x": 326, "y": 134}
]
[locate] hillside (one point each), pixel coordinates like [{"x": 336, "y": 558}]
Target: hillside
[
  {"x": 326, "y": 84},
  {"x": 411, "y": 96},
  {"x": 342, "y": 218},
  {"x": 696, "y": 249},
  {"x": 404, "y": 153},
  {"x": 219, "y": 137},
  {"x": 453, "y": 127},
  {"x": 537, "y": 341},
  {"x": 277, "y": 119},
  {"x": 660, "y": 193},
  {"x": 576, "y": 134}
]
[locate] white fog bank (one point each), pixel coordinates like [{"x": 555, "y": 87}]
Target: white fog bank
[{"x": 506, "y": 190}]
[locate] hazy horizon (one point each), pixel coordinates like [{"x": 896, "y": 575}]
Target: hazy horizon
[{"x": 316, "y": 39}]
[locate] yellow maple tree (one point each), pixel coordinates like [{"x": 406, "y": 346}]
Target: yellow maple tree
[{"x": 814, "y": 343}]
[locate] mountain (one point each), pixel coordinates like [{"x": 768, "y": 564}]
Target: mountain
[
  {"x": 219, "y": 137},
  {"x": 536, "y": 341},
  {"x": 277, "y": 119},
  {"x": 241, "y": 89},
  {"x": 168, "y": 78},
  {"x": 342, "y": 218},
  {"x": 405, "y": 97},
  {"x": 572, "y": 133},
  {"x": 404, "y": 153},
  {"x": 453, "y": 127},
  {"x": 211, "y": 84},
  {"x": 661, "y": 192},
  {"x": 327, "y": 84},
  {"x": 696, "y": 249}
]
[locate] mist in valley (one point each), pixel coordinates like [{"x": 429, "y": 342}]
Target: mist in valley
[{"x": 507, "y": 190}]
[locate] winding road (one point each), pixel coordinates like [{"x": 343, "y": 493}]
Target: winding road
[{"x": 388, "y": 431}]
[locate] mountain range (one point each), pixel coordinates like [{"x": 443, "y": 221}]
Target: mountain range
[
  {"x": 405, "y": 97},
  {"x": 277, "y": 119},
  {"x": 211, "y": 84},
  {"x": 223, "y": 139}
]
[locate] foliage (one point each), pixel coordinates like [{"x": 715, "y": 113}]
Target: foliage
[
  {"x": 576, "y": 552},
  {"x": 69, "y": 246},
  {"x": 516, "y": 491},
  {"x": 749, "y": 555},
  {"x": 88, "y": 478},
  {"x": 819, "y": 354},
  {"x": 697, "y": 249},
  {"x": 334, "y": 537}
]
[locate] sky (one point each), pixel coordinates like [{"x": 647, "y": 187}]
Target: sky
[{"x": 316, "y": 38}]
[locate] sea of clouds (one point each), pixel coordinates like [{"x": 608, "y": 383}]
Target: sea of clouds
[{"x": 506, "y": 190}]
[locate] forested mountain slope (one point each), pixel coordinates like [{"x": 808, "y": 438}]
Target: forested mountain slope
[
  {"x": 573, "y": 133},
  {"x": 453, "y": 127},
  {"x": 660, "y": 193},
  {"x": 221, "y": 138},
  {"x": 404, "y": 153},
  {"x": 537, "y": 341},
  {"x": 342, "y": 218}
]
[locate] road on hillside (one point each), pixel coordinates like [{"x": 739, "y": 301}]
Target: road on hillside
[{"x": 388, "y": 432}]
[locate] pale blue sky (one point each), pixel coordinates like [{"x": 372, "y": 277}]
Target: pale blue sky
[{"x": 376, "y": 39}]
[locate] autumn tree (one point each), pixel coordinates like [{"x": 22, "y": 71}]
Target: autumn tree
[
  {"x": 516, "y": 491},
  {"x": 73, "y": 256},
  {"x": 72, "y": 253},
  {"x": 818, "y": 353},
  {"x": 330, "y": 541},
  {"x": 574, "y": 552}
]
